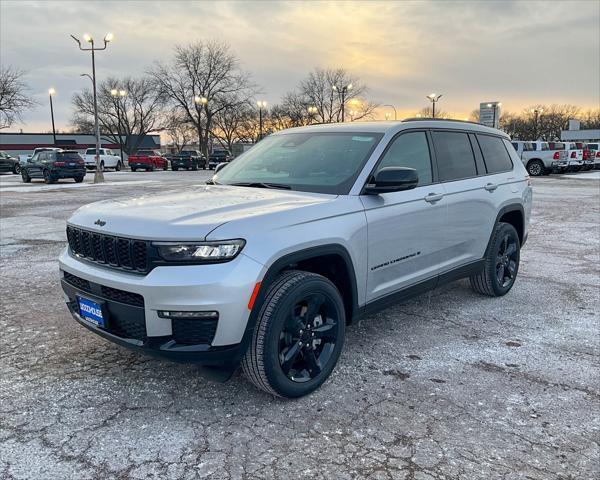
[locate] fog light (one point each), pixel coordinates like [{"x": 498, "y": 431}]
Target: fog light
[{"x": 187, "y": 315}]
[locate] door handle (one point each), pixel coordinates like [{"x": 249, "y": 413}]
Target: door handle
[
  {"x": 434, "y": 197},
  {"x": 490, "y": 187}
]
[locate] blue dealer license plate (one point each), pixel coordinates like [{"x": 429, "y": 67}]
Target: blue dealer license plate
[{"x": 91, "y": 311}]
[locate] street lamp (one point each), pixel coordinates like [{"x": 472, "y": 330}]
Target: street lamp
[
  {"x": 261, "y": 104},
  {"x": 311, "y": 113},
  {"x": 387, "y": 116},
  {"x": 98, "y": 175},
  {"x": 117, "y": 94},
  {"x": 537, "y": 113},
  {"x": 433, "y": 98},
  {"x": 52, "y": 92},
  {"x": 343, "y": 91},
  {"x": 494, "y": 107}
]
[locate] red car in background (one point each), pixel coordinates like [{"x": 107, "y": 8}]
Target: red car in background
[{"x": 148, "y": 160}]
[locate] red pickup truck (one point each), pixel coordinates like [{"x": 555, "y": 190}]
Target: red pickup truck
[{"x": 147, "y": 160}]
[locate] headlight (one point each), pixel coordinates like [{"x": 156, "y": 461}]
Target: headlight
[{"x": 200, "y": 252}]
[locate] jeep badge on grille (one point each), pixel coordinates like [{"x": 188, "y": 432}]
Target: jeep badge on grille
[{"x": 100, "y": 223}]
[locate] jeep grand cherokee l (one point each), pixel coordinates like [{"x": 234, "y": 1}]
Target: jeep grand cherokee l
[{"x": 310, "y": 229}]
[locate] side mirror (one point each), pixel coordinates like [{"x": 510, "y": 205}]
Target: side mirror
[
  {"x": 219, "y": 167},
  {"x": 392, "y": 179}
]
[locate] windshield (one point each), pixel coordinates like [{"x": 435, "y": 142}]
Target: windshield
[{"x": 310, "y": 162}]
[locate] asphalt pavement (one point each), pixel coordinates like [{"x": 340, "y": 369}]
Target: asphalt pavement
[{"x": 449, "y": 385}]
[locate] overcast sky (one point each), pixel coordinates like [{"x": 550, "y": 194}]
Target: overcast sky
[{"x": 519, "y": 53}]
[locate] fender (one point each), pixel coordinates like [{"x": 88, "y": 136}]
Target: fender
[{"x": 513, "y": 207}]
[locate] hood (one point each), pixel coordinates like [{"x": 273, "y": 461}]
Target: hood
[{"x": 190, "y": 214}]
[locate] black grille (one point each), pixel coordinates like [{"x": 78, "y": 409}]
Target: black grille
[
  {"x": 122, "y": 253},
  {"x": 194, "y": 331},
  {"x": 103, "y": 291},
  {"x": 128, "y": 327}
]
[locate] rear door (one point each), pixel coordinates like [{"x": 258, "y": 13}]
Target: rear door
[
  {"x": 470, "y": 198},
  {"x": 405, "y": 228}
]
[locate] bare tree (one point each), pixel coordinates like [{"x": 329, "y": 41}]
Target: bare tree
[
  {"x": 427, "y": 112},
  {"x": 13, "y": 97},
  {"x": 124, "y": 119},
  {"x": 474, "y": 116},
  {"x": 234, "y": 124},
  {"x": 178, "y": 130},
  {"x": 591, "y": 119},
  {"x": 203, "y": 79},
  {"x": 317, "y": 90}
]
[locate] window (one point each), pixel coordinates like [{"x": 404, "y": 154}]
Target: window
[
  {"x": 495, "y": 156},
  {"x": 323, "y": 162},
  {"x": 410, "y": 150},
  {"x": 515, "y": 146},
  {"x": 454, "y": 155}
]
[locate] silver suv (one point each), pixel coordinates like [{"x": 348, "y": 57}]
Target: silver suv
[{"x": 305, "y": 232}]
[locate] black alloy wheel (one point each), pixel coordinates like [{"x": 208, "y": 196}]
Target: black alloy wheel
[
  {"x": 506, "y": 261},
  {"x": 308, "y": 337}
]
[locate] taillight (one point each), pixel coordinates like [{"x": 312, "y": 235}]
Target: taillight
[
  {"x": 586, "y": 155},
  {"x": 598, "y": 154},
  {"x": 59, "y": 164},
  {"x": 556, "y": 156},
  {"x": 573, "y": 154}
]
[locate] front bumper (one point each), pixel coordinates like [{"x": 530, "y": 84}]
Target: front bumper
[{"x": 224, "y": 288}]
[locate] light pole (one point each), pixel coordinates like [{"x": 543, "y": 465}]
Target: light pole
[
  {"x": 200, "y": 102},
  {"x": 537, "y": 113},
  {"x": 494, "y": 107},
  {"x": 51, "y": 92},
  {"x": 395, "y": 113},
  {"x": 117, "y": 94},
  {"x": 433, "y": 98},
  {"x": 311, "y": 114},
  {"x": 98, "y": 175},
  {"x": 343, "y": 91},
  {"x": 261, "y": 104}
]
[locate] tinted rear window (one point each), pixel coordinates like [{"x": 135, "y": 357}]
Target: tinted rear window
[
  {"x": 454, "y": 155},
  {"x": 495, "y": 156},
  {"x": 68, "y": 156},
  {"x": 557, "y": 146}
]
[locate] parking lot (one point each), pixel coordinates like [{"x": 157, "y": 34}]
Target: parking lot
[{"x": 450, "y": 385}]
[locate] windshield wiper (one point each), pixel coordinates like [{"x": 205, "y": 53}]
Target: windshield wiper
[{"x": 262, "y": 185}]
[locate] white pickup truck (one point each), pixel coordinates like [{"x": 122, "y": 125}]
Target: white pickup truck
[
  {"x": 538, "y": 158},
  {"x": 107, "y": 159}
]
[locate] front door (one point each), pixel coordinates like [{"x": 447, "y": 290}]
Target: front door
[{"x": 405, "y": 228}]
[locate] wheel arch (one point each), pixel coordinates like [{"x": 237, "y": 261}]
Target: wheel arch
[
  {"x": 514, "y": 214},
  {"x": 333, "y": 261}
]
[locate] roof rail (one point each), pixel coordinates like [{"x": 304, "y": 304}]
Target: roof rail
[{"x": 416, "y": 119}]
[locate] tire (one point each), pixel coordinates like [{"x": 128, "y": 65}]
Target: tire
[
  {"x": 17, "y": 169},
  {"x": 278, "y": 333},
  {"x": 25, "y": 176},
  {"x": 48, "y": 177},
  {"x": 535, "y": 168},
  {"x": 165, "y": 166},
  {"x": 133, "y": 169},
  {"x": 102, "y": 165},
  {"x": 78, "y": 179},
  {"x": 175, "y": 169},
  {"x": 118, "y": 166},
  {"x": 503, "y": 251}
]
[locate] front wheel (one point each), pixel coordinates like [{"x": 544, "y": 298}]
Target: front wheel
[
  {"x": 25, "y": 176},
  {"x": 165, "y": 166},
  {"x": 102, "y": 166},
  {"x": 298, "y": 337},
  {"x": 16, "y": 169},
  {"x": 118, "y": 167},
  {"x": 78, "y": 179},
  {"x": 133, "y": 169},
  {"x": 501, "y": 263},
  {"x": 48, "y": 178}
]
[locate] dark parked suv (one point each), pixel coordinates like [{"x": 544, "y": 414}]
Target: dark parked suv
[
  {"x": 187, "y": 160},
  {"x": 52, "y": 165},
  {"x": 219, "y": 156}
]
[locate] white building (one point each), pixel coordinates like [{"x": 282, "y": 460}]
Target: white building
[{"x": 576, "y": 134}]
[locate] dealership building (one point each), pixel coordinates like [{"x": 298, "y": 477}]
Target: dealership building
[
  {"x": 16, "y": 144},
  {"x": 576, "y": 134}
]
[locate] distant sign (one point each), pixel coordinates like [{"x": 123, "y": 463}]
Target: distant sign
[{"x": 489, "y": 114}]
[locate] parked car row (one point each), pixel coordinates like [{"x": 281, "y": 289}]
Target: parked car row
[
  {"x": 9, "y": 164},
  {"x": 543, "y": 158}
]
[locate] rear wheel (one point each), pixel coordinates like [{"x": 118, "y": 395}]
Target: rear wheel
[
  {"x": 25, "y": 176},
  {"x": 165, "y": 166},
  {"x": 298, "y": 337},
  {"x": 133, "y": 169},
  {"x": 78, "y": 179},
  {"x": 535, "y": 168},
  {"x": 102, "y": 165},
  {"x": 118, "y": 167},
  {"x": 48, "y": 178},
  {"x": 175, "y": 169},
  {"x": 501, "y": 263},
  {"x": 16, "y": 169}
]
